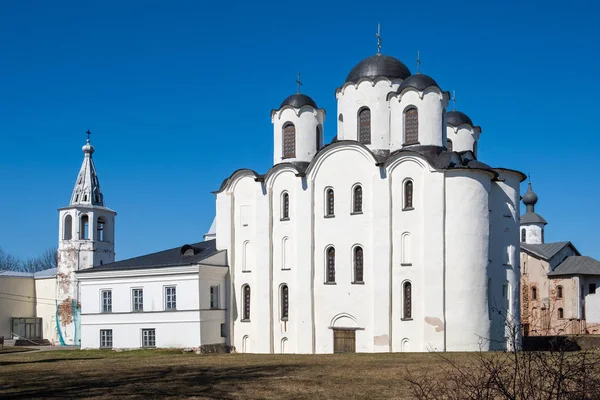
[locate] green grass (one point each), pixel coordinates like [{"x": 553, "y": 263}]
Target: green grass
[{"x": 14, "y": 349}]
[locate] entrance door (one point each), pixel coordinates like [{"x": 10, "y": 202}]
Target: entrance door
[{"x": 344, "y": 341}]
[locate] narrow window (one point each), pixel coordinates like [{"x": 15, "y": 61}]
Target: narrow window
[
  {"x": 364, "y": 126},
  {"x": 84, "y": 233},
  {"x": 358, "y": 264},
  {"x": 408, "y": 195},
  {"x": 106, "y": 301},
  {"x": 318, "y": 137},
  {"x": 357, "y": 200},
  {"x": 170, "y": 298},
  {"x": 330, "y": 203},
  {"x": 246, "y": 256},
  {"x": 106, "y": 340},
  {"x": 68, "y": 228},
  {"x": 100, "y": 229},
  {"x": 289, "y": 141},
  {"x": 592, "y": 288},
  {"x": 534, "y": 293},
  {"x": 411, "y": 126},
  {"x": 285, "y": 253},
  {"x": 407, "y": 300},
  {"x": 449, "y": 145},
  {"x": 405, "y": 249},
  {"x": 214, "y": 297},
  {"x": 330, "y": 265},
  {"x": 246, "y": 310},
  {"x": 138, "y": 299},
  {"x": 523, "y": 235},
  {"x": 559, "y": 292},
  {"x": 148, "y": 338},
  {"x": 285, "y": 206},
  {"x": 285, "y": 301},
  {"x": 223, "y": 330},
  {"x": 560, "y": 313}
]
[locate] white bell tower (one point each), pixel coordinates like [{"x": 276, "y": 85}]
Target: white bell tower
[{"x": 85, "y": 239}]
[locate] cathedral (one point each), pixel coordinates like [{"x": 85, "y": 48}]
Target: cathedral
[{"x": 393, "y": 237}]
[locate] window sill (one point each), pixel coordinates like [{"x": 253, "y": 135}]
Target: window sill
[
  {"x": 406, "y": 264},
  {"x": 284, "y": 219},
  {"x": 245, "y": 320},
  {"x": 137, "y": 311},
  {"x": 356, "y": 213},
  {"x": 406, "y": 319},
  {"x": 286, "y": 269},
  {"x": 246, "y": 271},
  {"x": 284, "y": 319},
  {"x": 329, "y": 283},
  {"x": 170, "y": 309},
  {"x": 329, "y": 216},
  {"x": 408, "y": 208},
  {"x": 358, "y": 283},
  {"x": 106, "y": 312}
]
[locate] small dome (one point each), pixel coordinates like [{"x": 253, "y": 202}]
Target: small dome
[
  {"x": 419, "y": 82},
  {"x": 530, "y": 198},
  {"x": 456, "y": 118},
  {"x": 379, "y": 65},
  {"x": 298, "y": 100},
  {"x": 88, "y": 148}
]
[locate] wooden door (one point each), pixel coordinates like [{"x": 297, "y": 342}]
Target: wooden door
[{"x": 344, "y": 341}]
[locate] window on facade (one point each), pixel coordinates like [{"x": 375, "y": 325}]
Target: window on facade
[
  {"x": 214, "y": 297},
  {"x": 285, "y": 253},
  {"x": 68, "y": 228},
  {"x": 534, "y": 293},
  {"x": 106, "y": 296},
  {"x": 592, "y": 288},
  {"x": 84, "y": 233},
  {"x": 246, "y": 303},
  {"x": 330, "y": 203},
  {"x": 358, "y": 264},
  {"x": 170, "y": 298},
  {"x": 559, "y": 292},
  {"x": 364, "y": 126},
  {"x": 523, "y": 235},
  {"x": 408, "y": 195},
  {"x": 285, "y": 302},
  {"x": 357, "y": 199},
  {"x": 449, "y": 145},
  {"x": 330, "y": 265},
  {"x": 407, "y": 300},
  {"x": 318, "y": 137},
  {"x": 285, "y": 205},
  {"x": 561, "y": 314},
  {"x": 106, "y": 339},
  {"x": 137, "y": 296},
  {"x": 411, "y": 126},
  {"x": 148, "y": 337},
  {"x": 405, "y": 249},
  {"x": 289, "y": 141},
  {"x": 100, "y": 229},
  {"x": 223, "y": 330}
]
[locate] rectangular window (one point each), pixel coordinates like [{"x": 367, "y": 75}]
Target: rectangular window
[
  {"x": 106, "y": 339},
  {"x": 106, "y": 296},
  {"x": 137, "y": 296},
  {"x": 223, "y": 330},
  {"x": 214, "y": 297},
  {"x": 170, "y": 298},
  {"x": 592, "y": 288},
  {"x": 148, "y": 338}
]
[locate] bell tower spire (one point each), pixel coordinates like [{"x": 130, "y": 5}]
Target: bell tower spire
[{"x": 87, "y": 187}]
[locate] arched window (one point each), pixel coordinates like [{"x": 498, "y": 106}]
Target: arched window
[
  {"x": 285, "y": 206},
  {"x": 364, "y": 126},
  {"x": 408, "y": 195},
  {"x": 330, "y": 265},
  {"x": 405, "y": 249},
  {"x": 285, "y": 302},
  {"x": 407, "y": 300},
  {"x": 559, "y": 292},
  {"x": 246, "y": 302},
  {"x": 357, "y": 199},
  {"x": 533, "y": 293},
  {"x": 84, "y": 233},
  {"x": 330, "y": 203},
  {"x": 100, "y": 229},
  {"x": 411, "y": 126},
  {"x": 523, "y": 235},
  {"x": 358, "y": 264},
  {"x": 246, "y": 256},
  {"x": 289, "y": 141},
  {"x": 561, "y": 313},
  {"x": 285, "y": 253},
  {"x": 68, "y": 228},
  {"x": 449, "y": 144},
  {"x": 318, "y": 137},
  {"x": 284, "y": 345},
  {"x": 245, "y": 344}
]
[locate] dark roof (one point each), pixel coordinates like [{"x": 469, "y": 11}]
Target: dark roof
[
  {"x": 298, "y": 100},
  {"x": 530, "y": 198},
  {"x": 532, "y": 218},
  {"x": 185, "y": 255},
  {"x": 419, "y": 82},
  {"x": 378, "y": 65},
  {"x": 577, "y": 265},
  {"x": 456, "y": 118},
  {"x": 546, "y": 250}
]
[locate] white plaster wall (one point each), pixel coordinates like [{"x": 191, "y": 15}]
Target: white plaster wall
[
  {"x": 533, "y": 233},
  {"x": 45, "y": 306},
  {"x": 18, "y": 294},
  {"x": 430, "y": 104},
  {"x": 306, "y": 120},
  {"x": 592, "y": 307},
  {"x": 463, "y": 137},
  {"x": 366, "y": 93}
]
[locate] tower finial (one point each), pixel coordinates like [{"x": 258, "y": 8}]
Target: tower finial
[
  {"x": 378, "y": 39},
  {"x": 418, "y": 61},
  {"x": 529, "y": 175},
  {"x": 299, "y": 82},
  {"x": 88, "y": 133},
  {"x": 454, "y": 100}
]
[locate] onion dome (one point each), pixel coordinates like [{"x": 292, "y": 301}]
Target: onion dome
[
  {"x": 530, "y": 198},
  {"x": 87, "y": 148},
  {"x": 298, "y": 100},
  {"x": 378, "y": 65},
  {"x": 456, "y": 118},
  {"x": 419, "y": 82}
]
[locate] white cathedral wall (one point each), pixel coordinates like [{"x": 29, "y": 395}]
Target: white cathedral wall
[
  {"x": 306, "y": 122},
  {"x": 463, "y": 137},
  {"x": 431, "y": 114},
  {"x": 353, "y": 97},
  {"x": 533, "y": 233}
]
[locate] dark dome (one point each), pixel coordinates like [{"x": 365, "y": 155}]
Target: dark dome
[
  {"x": 456, "y": 118},
  {"x": 530, "y": 198},
  {"x": 298, "y": 100},
  {"x": 378, "y": 65},
  {"x": 419, "y": 82}
]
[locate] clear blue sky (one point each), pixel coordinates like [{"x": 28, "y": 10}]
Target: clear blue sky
[{"x": 178, "y": 95}]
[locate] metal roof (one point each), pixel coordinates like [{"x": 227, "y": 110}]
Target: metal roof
[
  {"x": 577, "y": 265},
  {"x": 532, "y": 218},
  {"x": 378, "y": 65},
  {"x": 547, "y": 250}
]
